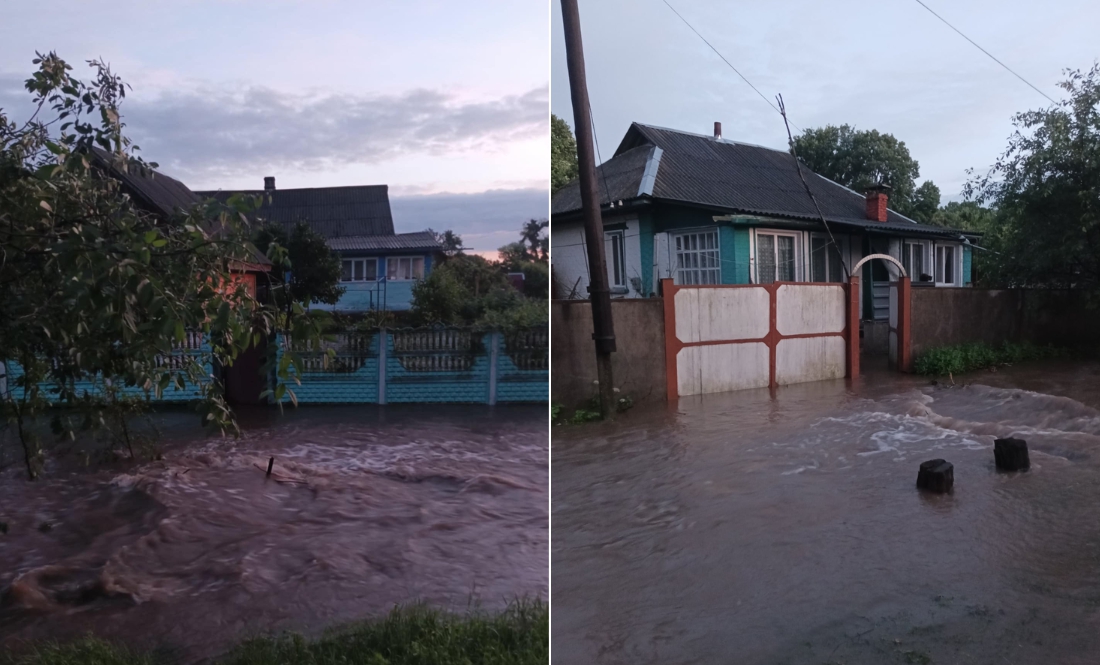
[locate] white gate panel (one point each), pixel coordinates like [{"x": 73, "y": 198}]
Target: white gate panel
[
  {"x": 708, "y": 315},
  {"x": 810, "y": 309},
  {"x": 804, "y": 359},
  {"x": 716, "y": 368}
]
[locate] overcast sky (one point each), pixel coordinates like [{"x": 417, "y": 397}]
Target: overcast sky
[
  {"x": 890, "y": 66},
  {"x": 427, "y": 97}
]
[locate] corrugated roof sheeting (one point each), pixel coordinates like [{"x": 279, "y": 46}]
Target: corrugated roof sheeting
[
  {"x": 164, "y": 194},
  {"x": 333, "y": 212},
  {"x": 421, "y": 240},
  {"x": 617, "y": 179},
  {"x": 720, "y": 173}
]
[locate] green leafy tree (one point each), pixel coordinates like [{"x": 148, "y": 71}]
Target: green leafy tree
[
  {"x": 312, "y": 273},
  {"x": 451, "y": 242},
  {"x": 94, "y": 288},
  {"x": 470, "y": 290},
  {"x": 1045, "y": 189},
  {"x": 563, "y": 154},
  {"x": 965, "y": 216},
  {"x": 513, "y": 255},
  {"x": 860, "y": 158}
]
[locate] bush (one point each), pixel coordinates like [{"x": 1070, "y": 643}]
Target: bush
[
  {"x": 969, "y": 357},
  {"x": 415, "y": 635}
]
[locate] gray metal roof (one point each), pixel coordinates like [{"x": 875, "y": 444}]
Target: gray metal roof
[
  {"x": 726, "y": 175},
  {"x": 420, "y": 240},
  {"x": 153, "y": 190},
  {"x": 333, "y": 212},
  {"x": 157, "y": 193}
]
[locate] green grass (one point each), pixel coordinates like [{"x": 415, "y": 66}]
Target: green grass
[
  {"x": 414, "y": 635},
  {"x": 963, "y": 358}
]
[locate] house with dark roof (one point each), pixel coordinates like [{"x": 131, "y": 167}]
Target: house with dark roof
[
  {"x": 379, "y": 266},
  {"x": 164, "y": 196},
  {"x": 703, "y": 209}
]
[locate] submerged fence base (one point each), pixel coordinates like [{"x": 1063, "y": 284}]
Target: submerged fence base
[{"x": 386, "y": 367}]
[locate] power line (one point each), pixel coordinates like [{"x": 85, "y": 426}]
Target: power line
[
  {"x": 762, "y": 95},
  {"x": 985, "y": 51}
]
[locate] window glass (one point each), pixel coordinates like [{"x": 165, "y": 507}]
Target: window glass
[
  {"x": 359, "y": 271},
  {"x": 785, "y": 258},
  {"x": 765, "y": 258},
  {"x": 618, "y": 260},
  {"x": 345, "y": 271},
  {"x": 949, "y": 265},
  {"x": 697, "y": 259}
]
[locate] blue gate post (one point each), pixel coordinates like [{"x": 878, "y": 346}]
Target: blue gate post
[
  {"x": 383, "y": 338},
  {"x": 494, "y": 355}
]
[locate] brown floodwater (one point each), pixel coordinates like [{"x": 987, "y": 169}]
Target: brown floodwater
[
  {"x": 757, "y": 528},
  {"x": 366, "y": 508}
]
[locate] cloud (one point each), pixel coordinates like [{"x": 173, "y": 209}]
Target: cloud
[
  {"x": 207, "y": 131},
  {"x": 485, "y": 221}
]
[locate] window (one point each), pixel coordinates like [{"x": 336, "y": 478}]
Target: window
[
  {"x": 825, "y": 261},
  {"x": 616, "y": 265},
  {"x": 697, "y": 258},
  {"x": 912, "y": 259},
  {"x": 775, "y": 258},
  {"x": 405, "y": 268},
  {"x": 359, "y": 270},
  {"x": 945, "y": 264}
]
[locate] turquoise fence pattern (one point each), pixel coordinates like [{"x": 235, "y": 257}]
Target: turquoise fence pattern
[
  {"x": 523, "y": 367},
  {"x": 425, "y": 366},
  {"x": 351, "y": 376},
  {"x": 194, "y": 344}
]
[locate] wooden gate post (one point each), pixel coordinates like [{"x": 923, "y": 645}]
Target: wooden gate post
[
  {"x": 853, "y": 326},
  {"x": 905, "y": 301}
]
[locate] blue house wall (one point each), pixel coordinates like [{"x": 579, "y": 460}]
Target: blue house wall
[{"x": 379, "y": 294}]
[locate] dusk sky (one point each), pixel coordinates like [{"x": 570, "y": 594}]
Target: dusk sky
[
  {"x": 435, "y": 99},
  {"x": 890, "y": 66}
]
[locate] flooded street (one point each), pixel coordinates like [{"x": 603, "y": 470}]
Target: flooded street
[
  {"x": 367, "y": 507},
  {"x": 742, "y": 528}
]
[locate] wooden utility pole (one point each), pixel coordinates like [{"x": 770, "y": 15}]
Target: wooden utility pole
[{"x": 599, "y": 295}]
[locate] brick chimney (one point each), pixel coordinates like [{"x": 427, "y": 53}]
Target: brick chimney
[
  {"x": 269, "y": 183},
  {"x": 877, "y": 196},
  {"x": 717, "y": 130}
]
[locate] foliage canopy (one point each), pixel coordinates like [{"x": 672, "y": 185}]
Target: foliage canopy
[
  {"x": 96, "y": 288},
  {"x": 861, "y": 158}
]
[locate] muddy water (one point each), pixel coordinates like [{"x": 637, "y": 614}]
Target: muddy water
[
  {"x": 366, "y": 508},
  {"x": 746, "y": 528}
]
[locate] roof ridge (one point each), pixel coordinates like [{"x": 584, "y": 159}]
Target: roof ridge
[
  {"x": 294, "y": 189},
  {"x": 711, "y": 138},
  {"x": 753, "y": 145}
]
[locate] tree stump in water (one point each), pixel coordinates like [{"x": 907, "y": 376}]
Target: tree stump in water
[
  {"x": 1011, "y": 454},
  {"x": 936, "y": 475}
]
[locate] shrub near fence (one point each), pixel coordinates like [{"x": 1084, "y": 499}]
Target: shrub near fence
[
  {"x": 425, "y": 365},
  {"x": 194, "y": 345}
]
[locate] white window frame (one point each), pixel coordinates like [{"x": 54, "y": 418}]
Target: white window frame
[
  {"x": 842, "y": 244},
  {"x": 411, "y": 260},
  {"x": 611, "y": 237},
  {"x": 368, "y": 276},
  {"x": 799, "y": 253},
  {"x": 956, "y": 259},
  {"x": 927, "y": 255},
  {"x": 675, "y": 253}
]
